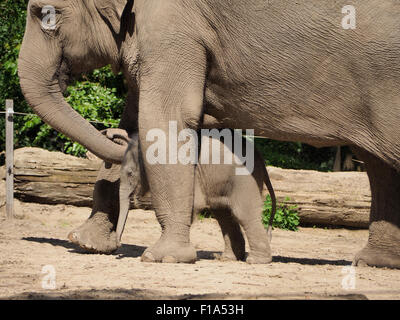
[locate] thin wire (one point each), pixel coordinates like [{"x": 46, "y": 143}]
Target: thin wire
[{"x": 100, "y": 122}]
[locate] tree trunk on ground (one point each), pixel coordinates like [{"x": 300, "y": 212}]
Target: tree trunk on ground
[
  {"x": 323, "y": 199},
  {"x": 53, "y": 177}
]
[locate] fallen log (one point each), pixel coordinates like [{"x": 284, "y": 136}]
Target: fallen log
[
  {"x": 323, "y": 199},
  {"x": 48, "y": 177}
]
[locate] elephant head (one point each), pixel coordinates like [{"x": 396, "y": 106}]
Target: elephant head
[{"x": 85, "y": 35}]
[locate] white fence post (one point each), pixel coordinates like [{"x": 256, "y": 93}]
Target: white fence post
[{"x": 10, "y": 158}]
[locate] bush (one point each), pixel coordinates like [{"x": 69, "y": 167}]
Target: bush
[
  {"x": 94, "y": 102},
  {"x": 295, "y": 155},
  {"x": 12, "y": 25},
  {"x": 286, "y": 216}
]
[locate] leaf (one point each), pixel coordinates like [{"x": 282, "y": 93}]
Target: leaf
[{"x": 286, "y": 217}]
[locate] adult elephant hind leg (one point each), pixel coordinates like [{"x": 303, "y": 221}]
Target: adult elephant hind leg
[
  {"x": 383, "y": 247},
  {"x": 97, "y": 234}
]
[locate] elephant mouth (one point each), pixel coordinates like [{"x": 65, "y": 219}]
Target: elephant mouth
[{"x": 64, "y": 75}]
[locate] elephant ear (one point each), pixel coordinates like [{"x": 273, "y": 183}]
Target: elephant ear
[{"x": 111, "y": 11}]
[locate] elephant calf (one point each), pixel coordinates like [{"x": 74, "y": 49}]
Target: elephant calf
[{"x": 234, "y": 200}]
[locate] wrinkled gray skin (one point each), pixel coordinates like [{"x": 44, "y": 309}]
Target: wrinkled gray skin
[
  {"x": 234, "y": 200},
  {"x": 285, "y": 68}
]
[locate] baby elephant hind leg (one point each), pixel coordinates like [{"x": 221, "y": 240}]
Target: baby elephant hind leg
[
  {"x": 260, "y": 250},
  {"x": 233, "y": 236},
  {"x": 247, "y": 208}
]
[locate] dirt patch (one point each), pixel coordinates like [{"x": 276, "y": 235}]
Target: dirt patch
[{"x": 308, "y": 264}]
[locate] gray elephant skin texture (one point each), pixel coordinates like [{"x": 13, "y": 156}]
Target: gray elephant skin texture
[
  {"x": 234, "y": 200},
  {"x": 287, "y": 69}
]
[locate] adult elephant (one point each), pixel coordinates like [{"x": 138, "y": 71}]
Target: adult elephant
[{"x": 289, "y": 70}]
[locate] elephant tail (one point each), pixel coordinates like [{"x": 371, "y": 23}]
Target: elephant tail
[{"x": 271, "y": 191}]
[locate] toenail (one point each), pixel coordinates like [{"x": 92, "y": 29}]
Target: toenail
[
  {"x": 72, "y": 236},
  {"x": 169, "y": 259},
  {"x": 362, "y": 263},
  {"x": 148, "y": 257}
]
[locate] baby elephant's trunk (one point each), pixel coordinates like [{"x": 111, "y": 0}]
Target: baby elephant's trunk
[
  {"x": 124, "y": 201},
  {"x": 126, "y": 189},
  {"x": 130, "y": 176}
]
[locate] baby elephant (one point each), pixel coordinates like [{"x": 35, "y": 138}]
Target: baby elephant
[{"x": 234, "y": 200}]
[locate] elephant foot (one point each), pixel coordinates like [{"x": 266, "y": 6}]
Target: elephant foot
[
  {"x": 264, "y": 258},
  {"x": 229, "y": 256},
  {"x": 95, "y": 236},
  {"x": 165, "y": 251},
  {"x": 383, "y": 248},
  {"x": 374, "y": 257}
]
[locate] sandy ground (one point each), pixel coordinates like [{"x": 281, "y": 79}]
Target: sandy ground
[{"x": 308, "y": 264}]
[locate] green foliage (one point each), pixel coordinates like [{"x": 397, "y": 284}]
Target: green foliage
[
  {"x": 286, "y": 216},
  {"x": 295, "y": 155},
  {"x": 12, "y": 25},
  {"x": 205, "y": 214},
  {"x": 93, "y": 101}
]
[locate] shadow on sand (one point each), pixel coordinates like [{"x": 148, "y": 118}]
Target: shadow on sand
[{"x": 133, "y": 251}]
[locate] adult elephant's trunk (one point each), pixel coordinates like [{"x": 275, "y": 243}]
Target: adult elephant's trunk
[{"x": 39, "y": 66}]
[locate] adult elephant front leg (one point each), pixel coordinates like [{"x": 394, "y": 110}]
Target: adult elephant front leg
[
  {"x": 97, "y": 234},
  {"x": 171, "y": 101}
]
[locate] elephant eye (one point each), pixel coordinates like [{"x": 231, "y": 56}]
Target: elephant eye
[{"x": 49, "y": 18}]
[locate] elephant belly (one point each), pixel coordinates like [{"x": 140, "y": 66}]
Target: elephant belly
[{"x": 295, "y": 74}]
